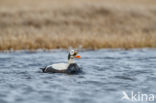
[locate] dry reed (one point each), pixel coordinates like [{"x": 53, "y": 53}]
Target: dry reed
[{"x": 93, "y": 24}]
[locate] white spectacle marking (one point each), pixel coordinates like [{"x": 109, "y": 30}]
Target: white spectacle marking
[{"x": 71, "y": 52}]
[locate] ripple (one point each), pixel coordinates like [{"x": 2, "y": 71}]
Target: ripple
[{"x": 106, "y": 73}]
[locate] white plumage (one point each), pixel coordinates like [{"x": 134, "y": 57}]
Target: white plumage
[{"x": 59, "y": 66}]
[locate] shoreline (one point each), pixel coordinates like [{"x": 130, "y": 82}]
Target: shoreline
[{"x": 62, "y": 49}]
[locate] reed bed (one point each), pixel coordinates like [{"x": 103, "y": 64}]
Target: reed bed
[{"x": 90, "y": 24}]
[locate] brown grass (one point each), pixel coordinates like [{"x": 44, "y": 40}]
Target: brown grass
[{"x": 94, "y": 24}]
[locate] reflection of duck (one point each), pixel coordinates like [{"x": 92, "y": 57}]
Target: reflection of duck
[{"x": 71, "y": 67}]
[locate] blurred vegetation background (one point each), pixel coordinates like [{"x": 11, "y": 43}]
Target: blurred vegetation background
[{"x": 91, "y": 24}]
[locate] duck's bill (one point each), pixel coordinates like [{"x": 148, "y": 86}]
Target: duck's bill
[{"x": 78, "y": 56}]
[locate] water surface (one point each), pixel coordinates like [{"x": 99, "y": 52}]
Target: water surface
[{"x": 106, "y": 73}]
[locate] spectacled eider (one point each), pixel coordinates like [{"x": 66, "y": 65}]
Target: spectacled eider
[{"x": 70, "y": 68}]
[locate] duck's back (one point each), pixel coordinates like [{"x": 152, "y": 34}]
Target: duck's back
[
  {"x": 55, "y": 68},
  {"x": 59, "y": 66}
]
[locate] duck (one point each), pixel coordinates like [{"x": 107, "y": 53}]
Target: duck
[{"x": 70, "y": 67}]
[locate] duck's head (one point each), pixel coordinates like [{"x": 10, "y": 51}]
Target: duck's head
[{"x": 73, "y": 54}]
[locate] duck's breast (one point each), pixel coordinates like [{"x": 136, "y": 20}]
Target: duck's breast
[{"x": 73, "y": 68}]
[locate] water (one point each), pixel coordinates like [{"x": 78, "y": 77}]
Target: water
[{"x": 106, "y": 73}]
